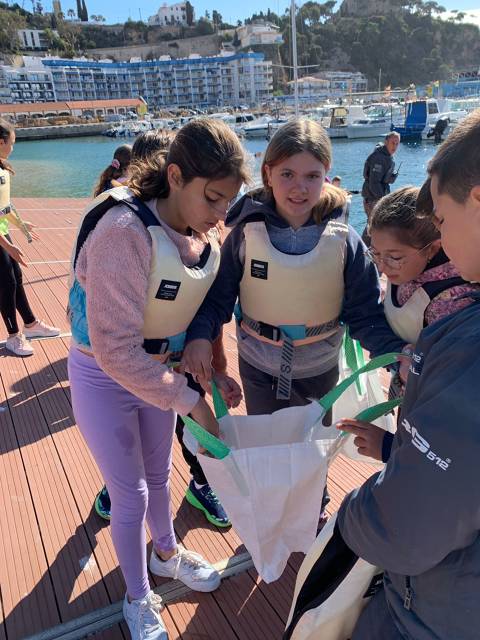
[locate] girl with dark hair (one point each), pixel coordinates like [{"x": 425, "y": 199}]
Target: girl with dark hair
[
  {"x": 141, "y": 269},
  {"x": 199, "y": 493},
  {"x": 12, "y": 293},
  {"x": 423, "y": 286},
  {"x": 116, "y": 174}
]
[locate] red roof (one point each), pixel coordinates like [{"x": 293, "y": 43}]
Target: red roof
[{"x": 68, "y": 106}]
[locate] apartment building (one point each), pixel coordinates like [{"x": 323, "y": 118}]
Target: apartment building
[
  {"x": 33, "y": 39},
  {"x": 226, "y": 79},
  {"x": 259, "y": 32},
  {"x": 30, "y": 83},
  {"x": 343, "y": 82},
  {"x": 170, "y": 14}
]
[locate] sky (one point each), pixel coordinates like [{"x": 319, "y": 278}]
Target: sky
[{"x": 231, "y": 11}]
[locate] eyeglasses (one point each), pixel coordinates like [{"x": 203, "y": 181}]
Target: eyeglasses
[{"x": 391, "y": 262}]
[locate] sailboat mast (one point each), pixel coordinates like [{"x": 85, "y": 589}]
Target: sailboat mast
[{"x": 294, "y": 55}]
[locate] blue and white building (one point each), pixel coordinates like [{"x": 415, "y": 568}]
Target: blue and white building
[{"x": 226, "y": 79}]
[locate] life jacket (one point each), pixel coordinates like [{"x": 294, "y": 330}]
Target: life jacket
[
  {"x": 408, "y": 320},
  {"x": 5, "y": 206},
  {"x": 298, "y": 296},
  {"x": 175, "y": 291}
]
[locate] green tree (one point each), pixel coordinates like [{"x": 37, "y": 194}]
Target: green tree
[
  {"x": 84, "y": 12},
  {"x": 204, "y": 27},
  {"x": 216, "y": 19},
  {"x": 189, "y": 13}
]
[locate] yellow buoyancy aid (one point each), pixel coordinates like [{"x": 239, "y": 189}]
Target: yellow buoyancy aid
[
  {"x": 300, "y": 296},
  {"x": 4, "y": 200},
  {"x": 175, "y": 291},
  {"x": 4, "y": 189}
]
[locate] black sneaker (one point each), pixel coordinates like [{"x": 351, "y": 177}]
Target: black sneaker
[
  {"x": 205, "y": 500},
  {"x": 102, "y": 504}
]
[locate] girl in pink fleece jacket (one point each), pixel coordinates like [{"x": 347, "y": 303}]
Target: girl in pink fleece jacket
[{"x": 124, "y": 395}]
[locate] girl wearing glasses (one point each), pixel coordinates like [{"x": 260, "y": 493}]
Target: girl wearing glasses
[{"x": 423, "y": 286}]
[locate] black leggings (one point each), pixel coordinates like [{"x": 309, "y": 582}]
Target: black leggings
[
  {"x": 196, "y": 470},
  {"x": 12, "y": 294}
]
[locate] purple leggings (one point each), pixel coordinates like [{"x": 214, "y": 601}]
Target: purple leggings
[{"x": 131, "y": 442}]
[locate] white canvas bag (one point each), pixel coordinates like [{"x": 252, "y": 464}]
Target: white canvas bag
[
  {"x": 367, "y": 392},
  {"x": 269, "y": 473}
]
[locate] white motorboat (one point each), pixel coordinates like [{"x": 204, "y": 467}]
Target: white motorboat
[
  {"x": 263, "y": 129},
  {"x": 376, "y": 121},
  {"x": 336, "y": 118}
]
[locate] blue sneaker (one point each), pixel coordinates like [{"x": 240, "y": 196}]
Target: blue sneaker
[
  {"x": 205, "y": 500},
  {"x": 102, "y": 504}
]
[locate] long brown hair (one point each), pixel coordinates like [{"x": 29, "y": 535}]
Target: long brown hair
[
  {"x": 203, "y": 148},
  {"x": 115, "y": 170},
  {"x": 299, "y": 136},
  {"x": 6, "y": 130}
]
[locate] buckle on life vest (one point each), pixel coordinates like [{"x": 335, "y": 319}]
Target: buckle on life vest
[
  {"x": 269, "y": 331},
  {"x": 158, "y": 347},
  {"x": 6, "y": 210}
]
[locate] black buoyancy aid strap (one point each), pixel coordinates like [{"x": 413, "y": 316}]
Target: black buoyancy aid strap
[
  {"x": 93, "y": 217},
  {"x": 436, "y": 287}
]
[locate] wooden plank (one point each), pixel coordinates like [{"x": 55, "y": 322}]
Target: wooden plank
[
  {"x": 67, "y": 561},
  {"x": 27, "y": 593},
  {"x": 62, "y": 532}
]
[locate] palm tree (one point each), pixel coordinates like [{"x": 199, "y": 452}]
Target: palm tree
[{"x": 71, "y": 14}]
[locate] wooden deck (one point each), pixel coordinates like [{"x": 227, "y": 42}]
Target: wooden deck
[{"x": 59, "y": 574}]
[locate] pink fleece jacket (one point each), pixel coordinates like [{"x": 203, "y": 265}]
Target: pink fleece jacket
[{"x": 113, "y": 268}]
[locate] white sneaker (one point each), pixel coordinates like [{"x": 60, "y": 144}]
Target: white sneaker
[
  {"x": 41, "y": 330},
  {"x": 144, "y": 619},
  {"x": 189, "y": 567},
  {"x": 19, "y": 345}
]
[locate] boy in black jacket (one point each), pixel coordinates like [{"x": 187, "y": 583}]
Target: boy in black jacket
[{"x": 419, "y": 519}]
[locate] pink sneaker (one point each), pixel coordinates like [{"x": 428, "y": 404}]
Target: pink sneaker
[
  {"x": 41, "y": 330},
  {"x": 19, "y": 345}
]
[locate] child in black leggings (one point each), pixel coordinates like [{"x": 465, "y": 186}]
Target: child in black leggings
[{"x": 12, "y": 293}]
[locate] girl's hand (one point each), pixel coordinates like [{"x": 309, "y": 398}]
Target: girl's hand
[
  {"x": 15, "y": 253},
  {"x": 202, "y": 414},
  {"x": 229, "y": 388},
  {"x": 29, "y": 226},
  {"x": 405, "y": 359},
  {"x": 369, "y": 437},
  {"x": 197, "y": 359}
]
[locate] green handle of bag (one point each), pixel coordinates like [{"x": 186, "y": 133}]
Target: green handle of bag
[
  {"x": 370, "y": 414},
  {"x": 354, "y": 357},
  {"x": 220, "y": 450},
  {"x": 219, "y": 405},
  {"x": 332, "y": 396},
  {"x": 211, "y": 443}
]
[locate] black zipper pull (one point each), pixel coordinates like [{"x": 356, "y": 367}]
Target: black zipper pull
[{"x": 407, "y": 602}]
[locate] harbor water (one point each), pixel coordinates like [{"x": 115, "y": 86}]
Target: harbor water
[{"x": 70, "y": 167}]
